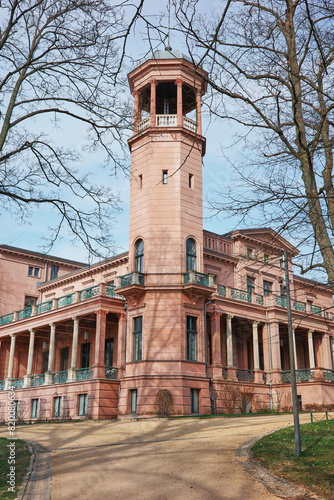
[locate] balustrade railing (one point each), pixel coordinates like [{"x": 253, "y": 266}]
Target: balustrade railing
[
  {"x": 59, "y": 377},
  {"x": 37, "y": 380},
  {"x": 165, "y": 120},
  {"x": 328, "y": 375},
  {"x": 299, "y": 306},
  {"x": 189, "y": 124},
  {"x": 88, "y": 293},
  {"x": 44, "y": 307},
  {"x": 6, "y": 318},
  {"x": 143, "y": 125},
  {"x": 132, "y": 279},
  {"x": 316, "y": 310},
  {"x": 198, "y": 278},
  {"x": 111, "y": 372},
  {"x": 65, "y": 300},
  {"x": 245, "y": 375},
  {"x": 16, "y": 383},
  {"x": 24, "y": 313},
  {"x": 84, "y": 374},
  {"x": 302, "y": 375},
  {"x": 221, "y": 290},
  {"x": 241, "y": 295}
]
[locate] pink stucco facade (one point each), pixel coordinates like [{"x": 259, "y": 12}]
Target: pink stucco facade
[{"x": 185, "y": 309}]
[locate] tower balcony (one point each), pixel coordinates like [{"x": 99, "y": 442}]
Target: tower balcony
[{"x": 166, "y": 121}]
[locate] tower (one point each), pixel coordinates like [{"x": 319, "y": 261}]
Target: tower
[{"x": 165, "y": 289}]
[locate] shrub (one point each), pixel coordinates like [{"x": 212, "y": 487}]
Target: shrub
[{"x": 164, "y": 403}]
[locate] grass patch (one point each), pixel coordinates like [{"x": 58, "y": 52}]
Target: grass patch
[
  {"x": 313, "y": 470},
  {"x": 22, "y": 461}
]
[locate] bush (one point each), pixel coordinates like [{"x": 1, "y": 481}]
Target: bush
[{"x": 164, "y": 403}]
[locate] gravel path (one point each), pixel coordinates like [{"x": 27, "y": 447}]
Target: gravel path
[{"x": 156, "y": 459}]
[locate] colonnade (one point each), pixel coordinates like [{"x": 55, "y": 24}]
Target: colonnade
[{"x": 98, "y": 365}]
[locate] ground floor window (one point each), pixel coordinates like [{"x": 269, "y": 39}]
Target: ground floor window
[
  {"x": 194, "y": 400},
  {"x": 57, "y": 406},
  {"x": 134, "y": 401},
  {"x": 34, "y": 408},
  {"x": 137, "y": 338},
  {"x": 82, "y": 410},
  {"x": 191, "y": 338}
]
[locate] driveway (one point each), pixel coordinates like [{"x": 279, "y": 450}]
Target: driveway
[{"x": 153, "y": 459}]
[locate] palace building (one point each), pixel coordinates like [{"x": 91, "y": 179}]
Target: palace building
[{"x": 184, "y": 309}]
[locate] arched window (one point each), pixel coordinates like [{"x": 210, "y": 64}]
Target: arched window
[
  {"x": 139, "y": 256},
  {"x": 191, "y": 254}
]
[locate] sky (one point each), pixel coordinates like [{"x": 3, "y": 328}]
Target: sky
[{"x": 216, "y": 171}]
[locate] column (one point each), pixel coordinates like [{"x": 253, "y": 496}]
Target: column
[
  {"x": 199, "y": 111},
  {"x": 311, "y": 348},
  {"x": 99, "y": 366},
  {"x": 179, "y": 103},
  {"x": 120, "y": 344},
  {"x": 153, "y": 102},
  {"x": 256, "y": 356},
  {"x": 11, "y": 359},
  {"x": 275, "y": 352},
  {"x": 137, "y": 110},
  {"x": 48, "y": 375},
  {"x": 229, "y": 340},
  {"x": 294, "y": 347},
  {"x": 216, "y": 344},
  {"x": 71, "y": 371},
  {"x": 30, "y": 358},
  {"x": 326, "y": 351}
]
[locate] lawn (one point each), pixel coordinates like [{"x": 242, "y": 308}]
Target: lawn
[
  {"x": 22, "y": 461},
  {"x": 313, "y": 470}
]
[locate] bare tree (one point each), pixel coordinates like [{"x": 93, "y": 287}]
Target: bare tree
[
  {"x": 270, "y": 65},
  {"x": 60, "y": 61}
]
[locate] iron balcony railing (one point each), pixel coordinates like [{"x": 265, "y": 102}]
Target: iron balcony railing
[
  {"x": 134, "y": 278},
  {"x": 221, "y": 290},
  {"x": 197, "y": 278},
  {"x": 16, "y": 383},
  {"x": 302, "y": 375},
  {"x": 328, "y": 375},
  {"x": 7, "y": 318},
  {"x": 24, "y": 313},
  {"x": 246, "y": 296},
  {"x": 65, "y": 300},
  {"x": 245, "y": 375},
  {"x": 59, "y": 377},
  {"x": 84, "y": 374},
  {"x": 111, "y": 372},
  {"x": 44, "y": 307},
  {"x": 37, "y": 380},
  {"x": 88, "y": 293},
  {"x": 2, "y": 385}
]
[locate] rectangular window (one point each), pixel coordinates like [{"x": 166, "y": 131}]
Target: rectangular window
[
  {"x": 34, "y": 408},
  {"x": 29, "y": 301},
  {"x": 281, "y": 262},
  {"x": 194, "y": 400},
  {"x": 191, "y": 338},
  {"x": 165, "y": 176},
  {"x": 191, "y": 180},
  {"x": 82, "y": 407},
  {"x": 45, "y": 361},
  {"x": 33, "y": 271},
  {"x": 250, "y": 284},
  {"x": 54, "y": 272},
  {"x": 137, "y": 338},
  {"x": 249, "y": 253},
  {"x": 267, "y": 288},
  {"x": 283, "y": 290},
  {"x": 57, "y": 406},
  {"x": 140, "y": 181},
  {"x": 64, "y": 359},
  {"x": 266, "y": 258},
  {"x": 133, "y": 400}
]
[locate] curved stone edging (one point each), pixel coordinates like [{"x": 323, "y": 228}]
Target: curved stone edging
[
  {"x": 37, "y": 481},
  {"x": 275, "y": 485}
]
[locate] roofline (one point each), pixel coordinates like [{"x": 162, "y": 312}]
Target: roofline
[{"x": 39, "y": 255}]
